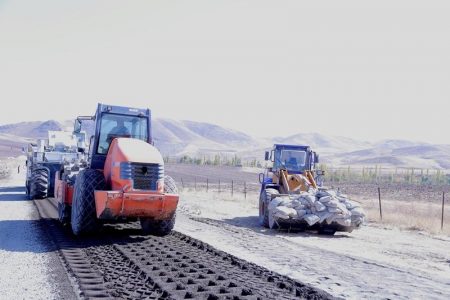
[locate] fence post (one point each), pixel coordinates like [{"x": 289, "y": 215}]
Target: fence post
[
  {"x": 219, "y": 186},
  {"x": 207, "y": 184},
  {"x": 232, "y": 188},
  {"x": 363, "y": 175},
  {"x": 245, "y": 190},
  {"x": 379, "y": 201},
  {"x": 182, "y": 183},
  {"x": 442, "y": 217},
  {"x": 195, "y": 183},
  {"x": 376, "y": 173}
]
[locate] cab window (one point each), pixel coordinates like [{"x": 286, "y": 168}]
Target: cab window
[
  {"x": 292, "y": 160},
  {"x": 113, "y": 126}
]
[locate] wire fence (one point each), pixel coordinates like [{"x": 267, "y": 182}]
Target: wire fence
[
  {"x": 390, "y": 204},
  {"x": 430, "y": 215},
  {"x": 417, "y": 176},
  {"x": 233, "y": 187},
  {"x": 342, "y": 174}
]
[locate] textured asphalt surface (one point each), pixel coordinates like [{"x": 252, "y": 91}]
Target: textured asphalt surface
[{"x": 120, "y": 262}]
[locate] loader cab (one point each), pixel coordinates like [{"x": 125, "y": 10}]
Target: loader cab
[
  {"x": 115, "y": 121},
  {"x": 295, "y": 159}
]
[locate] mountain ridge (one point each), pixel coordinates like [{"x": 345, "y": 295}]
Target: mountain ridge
[{"x": 198, "y": 139}]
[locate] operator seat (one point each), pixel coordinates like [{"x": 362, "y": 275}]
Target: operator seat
[{"x": 116, "y": 132}]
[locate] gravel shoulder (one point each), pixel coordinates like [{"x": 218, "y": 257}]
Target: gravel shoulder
[
  {"x": 373, "y": 262},
  {"x": 30, "y": 266}
]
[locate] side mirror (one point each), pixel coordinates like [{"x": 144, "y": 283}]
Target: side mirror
[
  {"x": 316, "y": 158},
  {"x": 91, "y": 150},
  {"x": 77, "y": 126},
  {"x": 266, "y": 157}
]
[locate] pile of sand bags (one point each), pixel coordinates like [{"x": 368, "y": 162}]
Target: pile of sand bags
[{"x": 316, "y": 207}]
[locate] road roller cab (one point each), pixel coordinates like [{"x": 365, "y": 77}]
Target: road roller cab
[{"x": 122, "y": 178}]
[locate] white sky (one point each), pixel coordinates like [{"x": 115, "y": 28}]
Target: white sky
[{"x": 368, "y": 70}]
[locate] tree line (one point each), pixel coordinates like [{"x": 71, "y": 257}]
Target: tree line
[{"x": 216, "y": 160}]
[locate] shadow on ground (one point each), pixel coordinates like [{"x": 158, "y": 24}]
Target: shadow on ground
[
  {"x": 15, "y": 193},
  {"x": 48, "y": 235},
  {"x": 23, "y": 236},
  {"x": 252, "y": 223}
]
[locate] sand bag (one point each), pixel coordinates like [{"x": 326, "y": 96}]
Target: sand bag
[
  {"x": 325, "y": 199},
  {"x": 311, "y": 219},
  {"x": 319, "y": 206},
  {"x": 284, "y": 212},
  {"x": 301, "y": 213}
]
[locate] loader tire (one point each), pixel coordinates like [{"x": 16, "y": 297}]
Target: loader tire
[
  {"x": 161, "y": 227},
  {"x": 264, "y": 200},
  {"x": 83, "y": 214},
  {"x": 39, "y": 183}
]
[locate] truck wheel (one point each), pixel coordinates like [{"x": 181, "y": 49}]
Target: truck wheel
[
  {"x": 27, "y": 189},
  {"x": 157, "y": 227},
  {"x": 83, "y": 214},
  {"x": 64, "y": 213},
  {"x": 170, "y": 186},
  {"x": 161, "y": 227},
  {"x": 38, "y": 185},
  {"x": 264, "y": 200}
]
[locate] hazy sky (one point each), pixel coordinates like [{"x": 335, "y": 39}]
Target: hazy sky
[{"x": 364, "y": 69}]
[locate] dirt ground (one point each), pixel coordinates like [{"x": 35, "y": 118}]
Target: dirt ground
[
  {"x": 406, "y": 206},
  {"x": 30, "y": 266},
  {"x": 374, "y": 262},
  {"x": 188, "y": 175}
]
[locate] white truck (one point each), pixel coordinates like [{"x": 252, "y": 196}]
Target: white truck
[{"x": 62, "y": 149}]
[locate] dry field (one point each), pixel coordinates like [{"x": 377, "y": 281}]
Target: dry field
[
  {"x": 406, "y": 206},
  {"x": 10, "y": 147},
  {"x": 5, "y": 170},
  {"x": 414, "y": 207},
  {"x": 9, "y": 167}
]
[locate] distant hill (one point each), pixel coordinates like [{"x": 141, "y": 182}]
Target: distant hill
[
  {"x": 325, "y": 143},
  {"x": 31, "y": 129},
  {"x": 197, "y": 139},
  {"x": 176, "y": 138}
]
